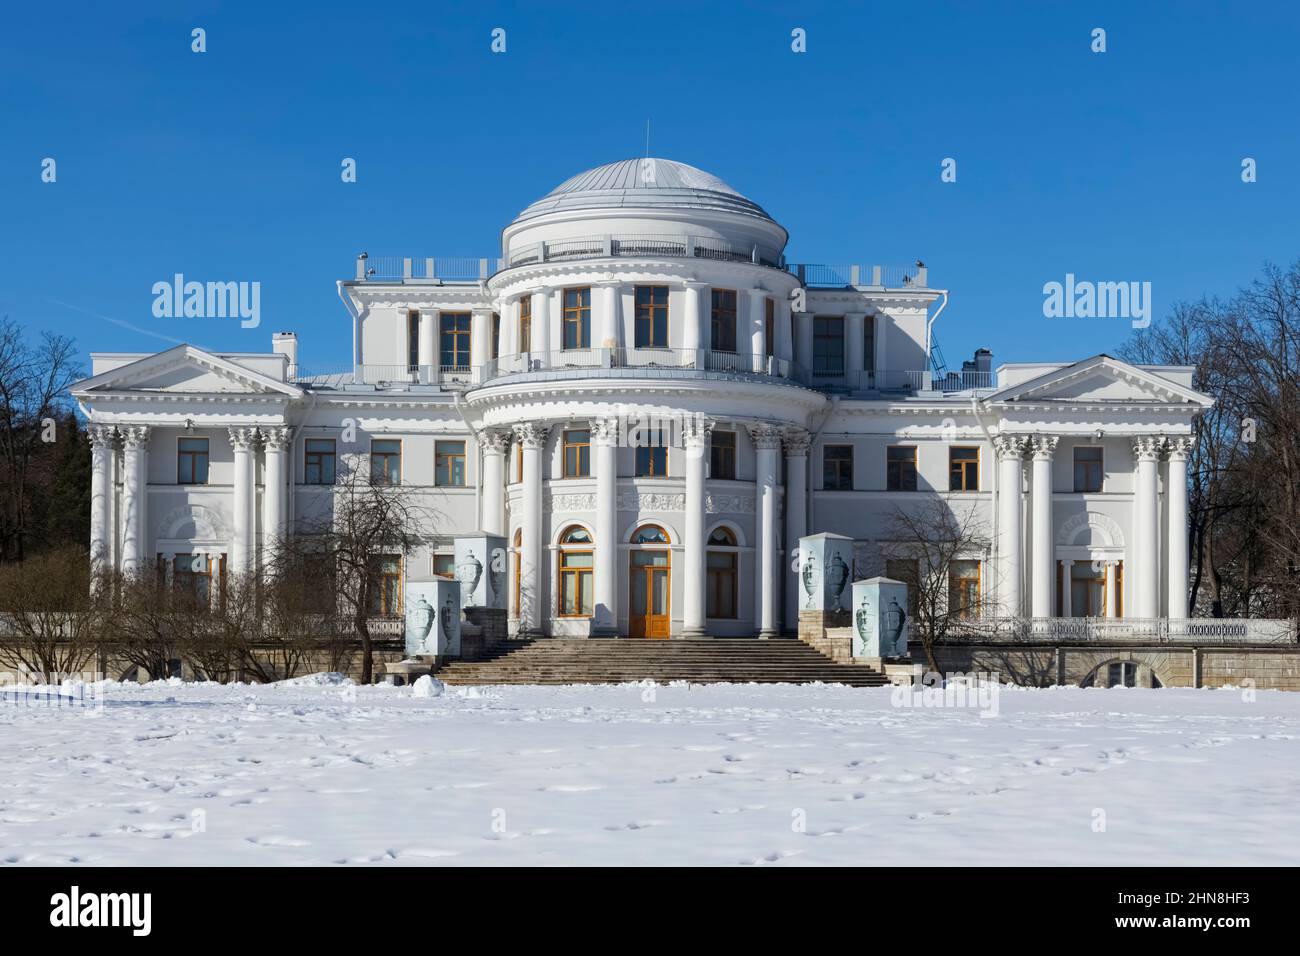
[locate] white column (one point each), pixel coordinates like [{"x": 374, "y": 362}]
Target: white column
[
  {"x": 509, "y": 344},
  {"x": 1145, "y": 571},
  {"x": 1176, "y": 492},
  {"x": 882, "y": 369},
  {"x": 767, "y": 441},
  {"x": 541, "y": 349},
  {"x": 758, "y": 328},
  {"x": 1112, "y": 583},
  {"x": 854, "y": 346},
  {"x": 1010, "y": 527},
  {"x": 135, "y": 444},
  {"x": 604, "y": 464},
  {"x": 480, "y": 341},
  {"x": 428, "y": 354},
  {"x": 1042, "y": 575},
  {"x": 696, "y": 436},
  {"x": 275, "y": 490},
  {"x": 493, "y": 499},
  {"x": 609, "y": 336},
  {"x": 693, "y": 335},
  {"x": 784, "y": 331},
  {"x": 532, "y": 437},
  {"x": 796, "y": 515},
  {"x": 101, "y": 439},
  {"x": 242, "y": 556}
]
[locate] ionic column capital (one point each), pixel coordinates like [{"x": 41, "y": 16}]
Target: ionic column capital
[{"x": 1043, "y": 447}]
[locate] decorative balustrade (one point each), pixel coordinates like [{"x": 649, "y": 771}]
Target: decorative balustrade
[
  {"x": 1125, "y": 630},
  {"x": 645, "y": 360}
]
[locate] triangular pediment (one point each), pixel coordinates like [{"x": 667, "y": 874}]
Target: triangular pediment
[
  {"x": 1100, "y": 380},
  {"x": 185, "y": 370}
]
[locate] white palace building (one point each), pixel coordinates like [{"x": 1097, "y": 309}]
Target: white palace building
[{"x": 653, "y": 407}]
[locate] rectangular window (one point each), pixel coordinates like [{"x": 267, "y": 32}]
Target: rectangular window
[
  {"x": 412, "y": 340},
  {"x": 192, "y": 461},
  {"x": 869, "y": 343},
  {"x": 651, "y": 317},
  {"x": 519, "y": 461},
  {"x": 386, "y": 586},
  {"x": 526, "y": 324},
  {"x": 386, "y": 461},
  {"x": 770, "y": 327},
  {"x": 722, "y": 321},
  {"x": 496, "y": 334},
  {"x": 720, "y": 594},
  {"x": 444, "y": 565},
  {"x": 577, "y": 319},
  {"x": 964, "y": 589},
  {"x": 449, "y": 464},
  {"x": 192, "y": 577},
  {"x": 964, "y": 468},
  {"x": 828, "y": 345},
  {"x": 1087, "y": 469},
  {"x": 651, "y": 455},
  {"x": 576, "y": 577},
  {"x": 577, "y": 453},
  {"x": 722, "y": 456},
  {"x": 837, "y": 467},
  {"x": 318, "y": 462},
  {"x": 900, "y": 468},
  {"x": 455, "y": 344},
  {"x": 907, "y": 570}
]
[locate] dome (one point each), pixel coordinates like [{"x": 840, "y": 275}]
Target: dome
[{"x": 640, "y": 184}]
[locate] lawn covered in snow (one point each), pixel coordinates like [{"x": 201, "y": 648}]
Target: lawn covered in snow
[{"x": 318, "y": 772}]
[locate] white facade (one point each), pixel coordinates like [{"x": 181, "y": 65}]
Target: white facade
[{"x": 648, "y": 291}]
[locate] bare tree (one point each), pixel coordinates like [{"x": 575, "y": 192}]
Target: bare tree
[
  {"x": 944, "y": 547},
  {"x": 368, "y": 521},
  {"x": 300, "y": 618},
  {"x": 50, "y": 623},
  {"x": 34, "y": 380}
]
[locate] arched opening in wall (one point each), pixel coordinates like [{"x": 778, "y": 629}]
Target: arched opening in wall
[
  {"x": 649, "y": 583},
  {"x": 722, "y": 587},
  {"x": 1122, "y": 674},
  {"x": 576, "y": 573}
]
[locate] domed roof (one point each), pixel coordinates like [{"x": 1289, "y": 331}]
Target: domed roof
[{"x": 642, "y": 183}]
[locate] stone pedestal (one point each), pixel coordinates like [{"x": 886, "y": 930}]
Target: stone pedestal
[
  {"x": 880, "y": 620},
  {"x": 482, "y": 630},
  {"x": 432, "y": 619},
  {"x": 823, "y": 569},
  {"x": 481, "y": 570}
]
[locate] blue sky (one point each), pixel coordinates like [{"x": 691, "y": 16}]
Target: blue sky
[{"x": 225, "y": 165}]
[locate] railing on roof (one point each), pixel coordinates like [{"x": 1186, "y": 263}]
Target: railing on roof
[{"x": 634, "y": 245}]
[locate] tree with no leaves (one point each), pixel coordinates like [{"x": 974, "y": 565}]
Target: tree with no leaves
[
  {"x": 366, "y": 519},
  {"x": 941, "y": 542}
]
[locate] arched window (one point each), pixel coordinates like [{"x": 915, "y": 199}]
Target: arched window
[
  {"x": 650, "y": 534},
  {"x": 576, "y": 584},
  {"x": 722, "y": 584}
]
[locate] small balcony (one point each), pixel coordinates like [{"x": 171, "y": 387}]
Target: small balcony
[{"x": 639, "y": 363}]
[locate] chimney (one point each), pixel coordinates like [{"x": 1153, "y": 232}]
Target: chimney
[
  {"x": 983, "y": 360},
  {"x": 286, "y": 344}
]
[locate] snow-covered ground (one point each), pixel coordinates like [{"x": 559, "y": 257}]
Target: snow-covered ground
[{"x": 321, "y": 773}]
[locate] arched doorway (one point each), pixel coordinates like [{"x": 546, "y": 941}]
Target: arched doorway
[{"x": 649, "y": 584}]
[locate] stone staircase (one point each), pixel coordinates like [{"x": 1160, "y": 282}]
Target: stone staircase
[{"x": 603, "y": 661}]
